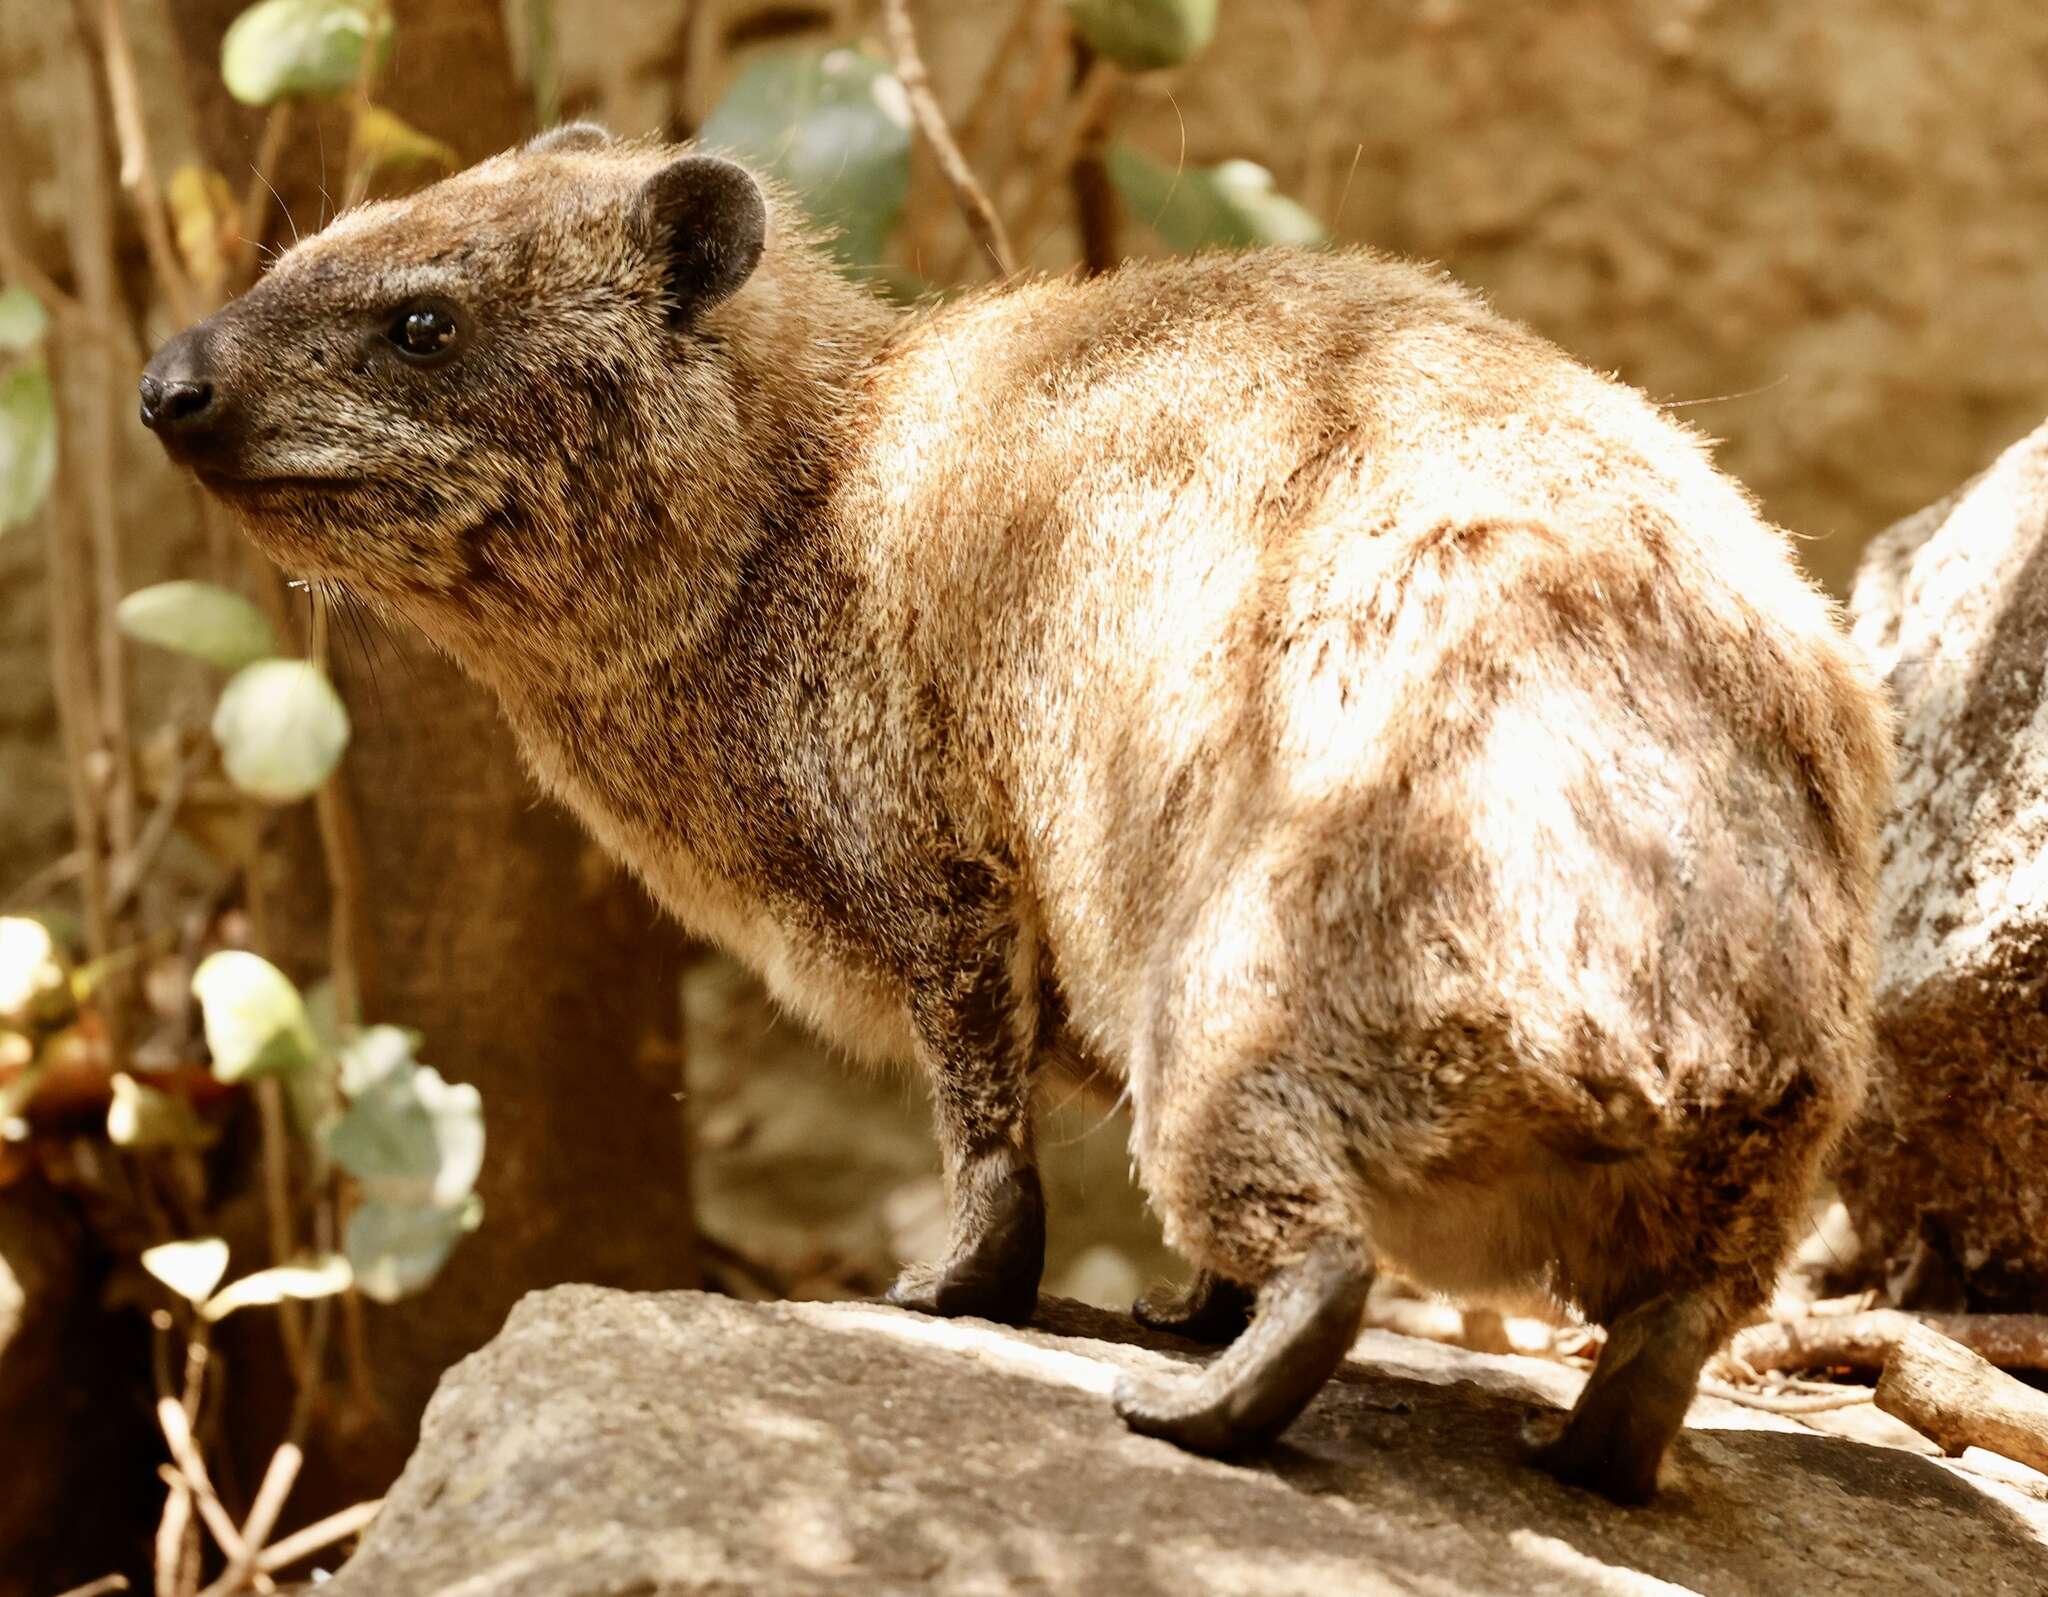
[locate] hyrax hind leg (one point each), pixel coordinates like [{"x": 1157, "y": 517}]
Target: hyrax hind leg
[
  {"x": 1250, "y": 1176},
  {"x": 1615, "y": 1440},
  {"x": 976, "y": 1019}
]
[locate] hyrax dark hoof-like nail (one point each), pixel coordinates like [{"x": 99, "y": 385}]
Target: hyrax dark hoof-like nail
[
  {"x": 1182, "y": 1412},
  {"x": 1617, "y": 1478},
  {"x": 1210, "y": 1309},
  {"x": 958, "y": 1287}
]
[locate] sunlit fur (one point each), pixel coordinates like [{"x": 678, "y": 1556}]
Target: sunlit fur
[{"x": 1389, "y": 746}]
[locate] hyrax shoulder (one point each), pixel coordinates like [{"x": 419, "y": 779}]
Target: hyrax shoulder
[{"x": 1392, "y": 747}]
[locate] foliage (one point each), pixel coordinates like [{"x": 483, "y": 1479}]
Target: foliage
[
  {"x": 201, "y": 619},
  {"x": 1206, "y": 207},
  {"x": 1141, "y": 35},
  {"x": 281, "y": 49},
  {"x": 835, "y": 126},
  {"x": 28, "y": 412},
  {"x": 281, "y": 729}
]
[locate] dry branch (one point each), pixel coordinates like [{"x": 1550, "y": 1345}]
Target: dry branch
[
  {"x": 138, "y": 171},
  {"x": 1958, "y": 1400},
  {"x": 1864, "y": 1341},
  {"x": 931, "y": 122}
]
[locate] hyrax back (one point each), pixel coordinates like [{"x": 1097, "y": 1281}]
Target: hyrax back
[{"x": 1390, "y": 746}]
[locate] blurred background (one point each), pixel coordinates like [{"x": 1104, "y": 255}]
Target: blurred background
[{"x": 322, "y": 1039}]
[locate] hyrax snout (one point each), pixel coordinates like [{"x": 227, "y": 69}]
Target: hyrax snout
[{"x": 1391, "y": 748}]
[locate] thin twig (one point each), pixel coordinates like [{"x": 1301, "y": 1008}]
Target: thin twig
[
  {"x": 1087, "y": 113},
  {"x": 974, "y": 204},
  {"x": 320, "y": 1534},
  {"x": 341, "y": 848},
  {"x": 191, "y": 1468},
  {"x": 98, "y": 1588},
  {"x": 138, "y": 171},
  {"x": 981, "y": 109},
  {"x": 130, "y": 869},
  {"x": 277, "y": 1484},
  {"x": 1788, "y": 1402},
  {"x": 277, "y": 1206}
]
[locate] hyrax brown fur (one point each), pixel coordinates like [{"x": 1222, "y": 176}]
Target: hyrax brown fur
[{"x": 1391, "y": 748}]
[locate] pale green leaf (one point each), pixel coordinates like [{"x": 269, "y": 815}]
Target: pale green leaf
[
  {"x": 255, "y": 1021},
  {"x": 1143, "y": 35},
  {"x": 321, "y": 1279},
  {"x": 143, "y": 1117},
  {"x": 835, "y": 126},
  {"x": 197, "y": 618},
  {"x": 22, "y": 321},
  {"x": 397, "y": 1248},
  {"x": 388, "y": 143},
  {"x": 409, "y": 1137},
  {"x": 281, "y": 729},
  {"x": 1233, "y": 205},
  {"x": 282, "y": 48},
  {"x": 28, "y": 441},
  {"x": 190, "y": 1269},
  {"x": 374, "y": 1053}
]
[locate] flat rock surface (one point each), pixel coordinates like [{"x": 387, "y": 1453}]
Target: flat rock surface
[{"x": 610, "y": 1444}]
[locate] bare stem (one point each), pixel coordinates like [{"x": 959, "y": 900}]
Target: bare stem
[
  {"x": 138, "y": 171},
  {"x": 974, "y": 204},
  {"x": 261, "y": 193}
]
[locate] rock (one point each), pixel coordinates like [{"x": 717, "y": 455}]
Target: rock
[
  {"x": 610, "y": 1444},
  {"x": 1948, "y": 1176}
]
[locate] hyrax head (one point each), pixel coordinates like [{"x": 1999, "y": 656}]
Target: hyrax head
[{"x": 399, "y": 385}]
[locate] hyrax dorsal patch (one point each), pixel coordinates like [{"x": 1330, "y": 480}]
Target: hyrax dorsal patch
[{"x": 1392, "y": 748}]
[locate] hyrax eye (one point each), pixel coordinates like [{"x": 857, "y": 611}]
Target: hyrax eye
[{"x": 425, "y": 332}]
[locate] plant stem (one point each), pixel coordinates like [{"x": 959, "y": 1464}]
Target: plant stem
[{"x": 968, "y": 194}]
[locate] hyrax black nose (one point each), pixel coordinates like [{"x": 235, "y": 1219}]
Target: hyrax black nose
[{"x": 179, "y": 399}]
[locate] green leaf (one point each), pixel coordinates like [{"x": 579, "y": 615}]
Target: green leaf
[
  {"x": 199, "y": 619},
  {"x": 22, "y": 321},
  {"x": 409, "y": 1137},
  {"x": 255, "y": 1021},
  {"x": 281, "y": 48},
  {"x": 281, "y": 729},
  {"x": 375, "y": 1053},
  {"x": 190, "y": 1269},
  {"x": 322, "y": 1278},
  {"x": 143, "y": 1117},
  {"x": 1232, "y": 205},
  {"x": 1144, "y": 35},
  {"x": 397, "y": 1248},
  {"x": 28, "y": 441},
  {"x": 389, "y": 143},
  {"x": 835, "y": 126}
]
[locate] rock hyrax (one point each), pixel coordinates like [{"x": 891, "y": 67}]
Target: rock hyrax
[{"x": 1389, "y": 747}]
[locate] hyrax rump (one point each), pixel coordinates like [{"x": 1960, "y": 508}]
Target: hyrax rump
[{"x": 1389, "y": 747}]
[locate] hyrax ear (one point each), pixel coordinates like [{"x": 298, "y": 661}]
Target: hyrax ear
[
  {"x": 707, "y": 221},
  {"x": 569, "y": 136}
]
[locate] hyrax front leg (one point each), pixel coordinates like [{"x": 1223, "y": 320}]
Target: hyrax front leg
[{"x": 976, "y": 1016}]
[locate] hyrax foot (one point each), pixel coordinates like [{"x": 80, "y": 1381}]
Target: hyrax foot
[
  {"x": 1212, "y": 1309},
  {"x": 1615, "y": 1441},
  {"x": 1307, "y": 1319},
  {"x": 998, "y": 1250}
]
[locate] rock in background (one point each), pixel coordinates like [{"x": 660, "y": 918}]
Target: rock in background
[{"x": 1948, "y": 1176}]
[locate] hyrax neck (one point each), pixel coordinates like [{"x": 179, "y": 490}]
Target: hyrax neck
[{"x": 682, "y": 657}]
